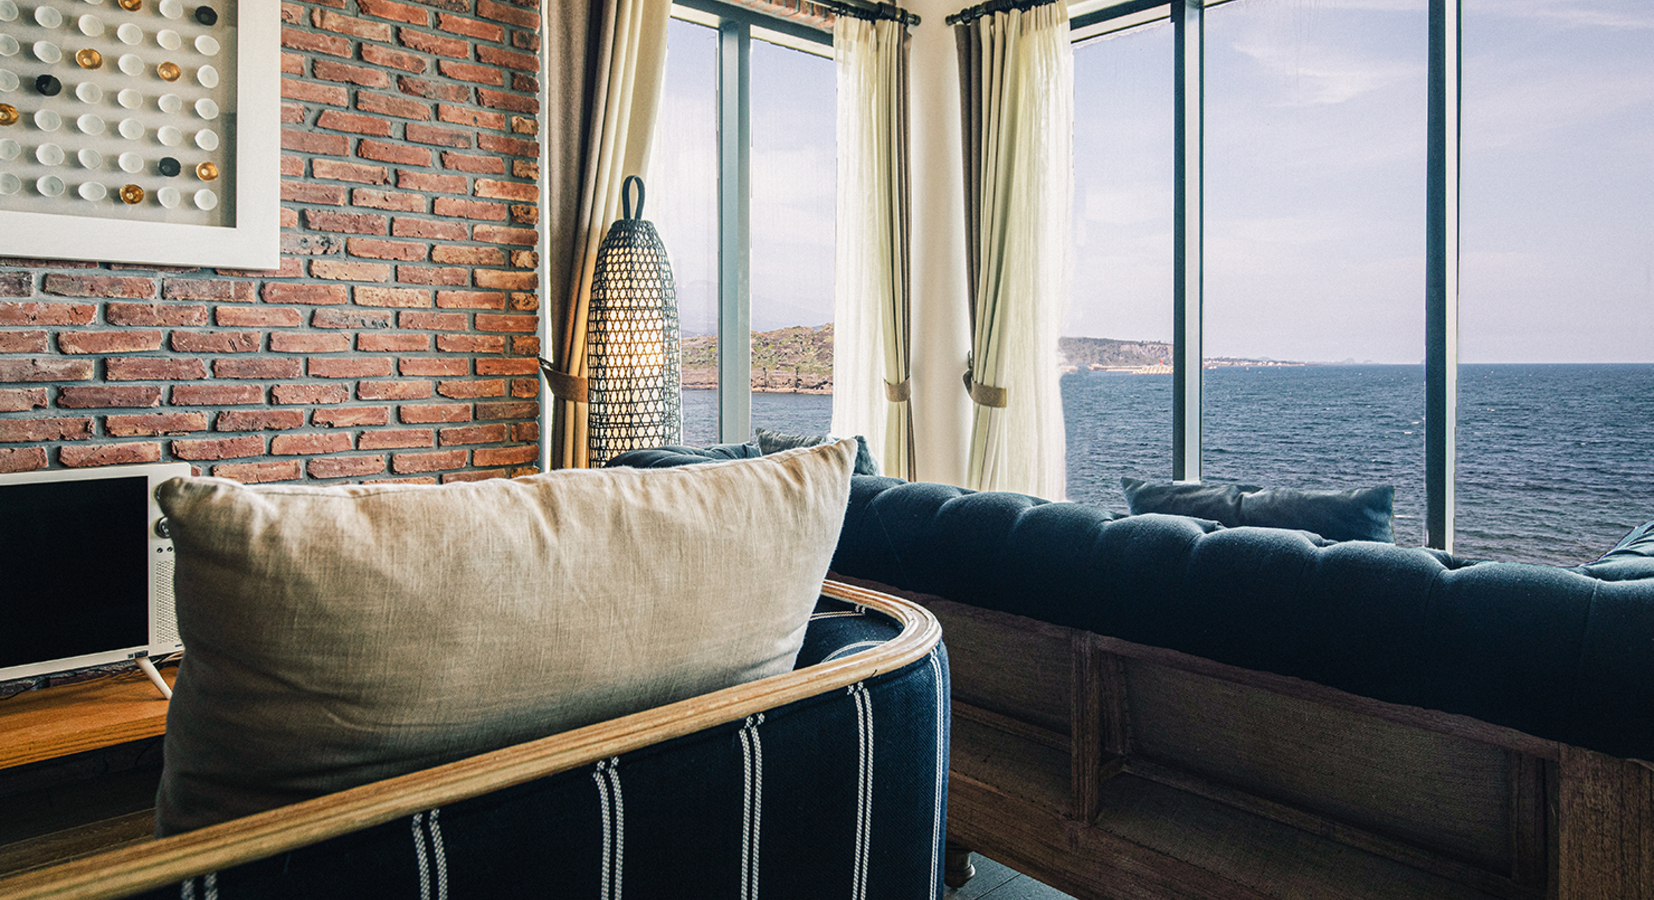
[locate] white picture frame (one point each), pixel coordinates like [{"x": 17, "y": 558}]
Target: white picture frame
[{"x": 241, "y": 230}]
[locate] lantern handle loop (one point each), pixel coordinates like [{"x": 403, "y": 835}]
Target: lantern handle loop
[{"x": 626, "y": 199}]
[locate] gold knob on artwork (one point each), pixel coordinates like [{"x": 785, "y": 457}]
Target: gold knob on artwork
[
  {"x": 206, "y": 171},
  {"x": 132, "y": 5},
  {"x": 168, "y": 71},
  {"x": 8, "y": 114},
  {"x": 131, "y": 194},
  {"x": 89, "y": 58}
]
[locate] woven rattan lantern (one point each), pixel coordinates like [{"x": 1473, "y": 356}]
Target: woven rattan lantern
[{"x": 634, "y": 389}]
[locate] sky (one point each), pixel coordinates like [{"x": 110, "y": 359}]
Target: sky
[
  {"x": 793, "y": 171},
  {"x": 1314, "y": 181}
]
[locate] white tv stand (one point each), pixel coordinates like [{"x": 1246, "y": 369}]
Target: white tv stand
[{"x": 155, "y": 677}]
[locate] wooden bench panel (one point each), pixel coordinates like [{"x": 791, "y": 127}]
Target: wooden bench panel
[
  {"x": 1184, "y": 774},
  {"x": 1024, "y": 673},
  {"x": 1441, "y": 792}
]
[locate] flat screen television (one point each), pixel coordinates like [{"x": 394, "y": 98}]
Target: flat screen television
[{"x": 85, "y": 572}]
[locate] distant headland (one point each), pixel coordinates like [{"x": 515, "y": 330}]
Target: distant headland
[
  {"x": 1140, "y": 357},
  {"x": 799, "y": 359}
]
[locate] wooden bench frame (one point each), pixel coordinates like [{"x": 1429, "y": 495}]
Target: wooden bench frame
[{"x": 1109, "y": 769}]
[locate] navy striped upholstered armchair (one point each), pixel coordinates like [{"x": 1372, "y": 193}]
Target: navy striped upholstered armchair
[
  {"x": 598, "y": 684},
  {"x": 829, "y": 781}
]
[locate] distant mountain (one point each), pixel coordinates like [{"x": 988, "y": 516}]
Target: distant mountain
[{"x": 797, "y": 360}]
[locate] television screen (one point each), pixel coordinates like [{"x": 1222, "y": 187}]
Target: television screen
[{"x": 74, "y": 572}]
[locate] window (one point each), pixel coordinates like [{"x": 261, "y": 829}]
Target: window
[
  {"x": 794, "y": 206},
  {"x": 744, "y": 167},
  {"x": 1314, "y": 247},
  {"x": 1316, "y": 217},
  {"x": 1556, "y": 411},
  {"x": 683, "y": 204},
  {"x": 1116, "y": 384}
]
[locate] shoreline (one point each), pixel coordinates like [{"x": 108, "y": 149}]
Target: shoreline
[{"x": 756, "y": 389}]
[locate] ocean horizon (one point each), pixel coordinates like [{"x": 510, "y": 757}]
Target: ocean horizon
[{"x": 1553, "y": 461}]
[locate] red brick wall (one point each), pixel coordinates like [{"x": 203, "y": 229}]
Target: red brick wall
[{"x": 398, "y": 339}]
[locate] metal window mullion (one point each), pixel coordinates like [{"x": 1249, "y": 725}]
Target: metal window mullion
[
  {"x": 1441, "y": 273},
  {"x": 1188, "y": 103},
  {"x": 734, "y": 256}
]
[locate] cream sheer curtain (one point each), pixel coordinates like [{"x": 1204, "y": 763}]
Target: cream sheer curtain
[
  {"x": 871, "y": 345},
  {"x": 627, "y": 52},
  {"x": 1017, "y": 87}
]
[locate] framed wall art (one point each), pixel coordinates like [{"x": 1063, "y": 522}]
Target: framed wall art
[{"x": 141, "y": 131}]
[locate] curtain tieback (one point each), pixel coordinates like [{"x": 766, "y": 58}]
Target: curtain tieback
[
  {"x": 981, "y": 394},
  {"x": 900, "y": 392},
  {"x": 987, "y": 395},
  {"x": 563, "y": 385}
]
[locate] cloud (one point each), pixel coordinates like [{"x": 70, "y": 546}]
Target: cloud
[
  {"x": 1550, "y": 95},
  {"x": 798, "y": 177},
  {"x": 1303, "y": 229},
  {"x": 1531, "y": 306},
  {"x": 1407, "y": 6},
  {"x": 1316, "y": 53},
  {"x": 793, "y": 232},
  {"x": 1311, "y": 74},
  {"x": 1633, "y": 14},
  {"x": 1132, "y": 205}
]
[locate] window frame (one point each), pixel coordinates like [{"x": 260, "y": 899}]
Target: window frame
[
  {"x": 1444, "y": 74},
  {"x": 737, "y": 27}
]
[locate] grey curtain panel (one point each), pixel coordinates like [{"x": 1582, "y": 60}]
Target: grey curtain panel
[{"x": 600, "y": 116}]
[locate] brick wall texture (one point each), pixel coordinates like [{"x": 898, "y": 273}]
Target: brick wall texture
[{"x": 398, "y": 338}]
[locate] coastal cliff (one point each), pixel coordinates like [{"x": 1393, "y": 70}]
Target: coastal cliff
[
  {"x": 1085, "y": 352},
  {"x": 796, "y": 360}
]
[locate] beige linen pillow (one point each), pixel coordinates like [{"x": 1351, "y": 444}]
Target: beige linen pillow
[{"x": 339, "y": 635}]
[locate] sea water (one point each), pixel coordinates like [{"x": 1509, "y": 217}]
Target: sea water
[
  {"x": 1554, "y": 461},
  {"x": 786, "y": 413}
]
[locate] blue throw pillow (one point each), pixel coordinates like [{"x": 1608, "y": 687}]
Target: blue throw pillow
[
  {"x": 1631, "y": 558},
  {"x": 776, "y": 441},
  {"x": 679, "y": 455},
  {"x": 1363, "y": 514}
]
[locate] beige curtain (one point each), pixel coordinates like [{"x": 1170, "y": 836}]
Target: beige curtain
[
  {"x": 625, "y": 47},
  {"x": 1017, "y": 89},
  {"x": 871, "y": 338}
]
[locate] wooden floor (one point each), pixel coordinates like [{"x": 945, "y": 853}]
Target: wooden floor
[{"x": 997, "y": 882}]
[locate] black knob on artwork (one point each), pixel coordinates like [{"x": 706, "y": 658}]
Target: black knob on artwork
[
  {"x": 169, "y": 166},
  {"x": 206, "y": 15},
  {"x": 48, "y": 85}
]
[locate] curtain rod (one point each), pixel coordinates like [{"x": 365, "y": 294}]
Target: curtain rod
[
  {"x": 871, "y": 14},
  {"x": 972, "y": 13}
]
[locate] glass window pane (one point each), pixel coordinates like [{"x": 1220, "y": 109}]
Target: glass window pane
[
  {"x": 1116, "y": 384},
  {"x": 1556, "y": 390},
  {"x": 682, "y": 203},
  {"x": 1314, "y": 247},
  {"x": 794, "y": 174}
]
